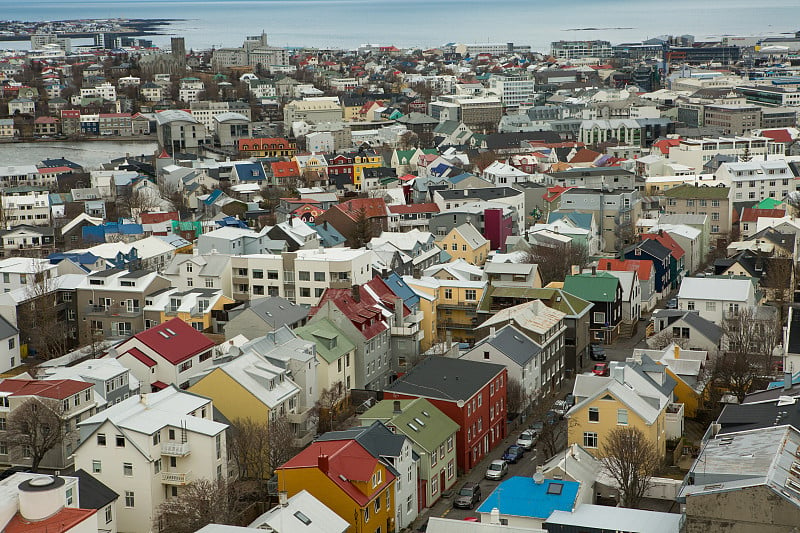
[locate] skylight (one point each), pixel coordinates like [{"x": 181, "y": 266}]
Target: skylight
[
  {"x": 303, "y": 518},
  {"x": 555, "y": 488}
]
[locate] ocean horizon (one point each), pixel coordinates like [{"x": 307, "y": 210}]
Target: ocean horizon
[{"x": 427, "y": 23}]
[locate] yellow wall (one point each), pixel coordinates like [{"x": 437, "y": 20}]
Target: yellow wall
[
  {"x": 578, "y": 423},
  {"x": 205, "y": 318},
  {"x": 232, "y": 400},
  {"x": 293, "y": 480},
  {"x": 362, "y": 162},
  {"x": 454, "y": 308},
  {"x": 428, "y": 324},
  {"x": 473, "y": 256},
  {"x": 686, "y": 395}
]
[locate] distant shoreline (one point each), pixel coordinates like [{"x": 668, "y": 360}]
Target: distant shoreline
[{"x": 128, "y": 28}]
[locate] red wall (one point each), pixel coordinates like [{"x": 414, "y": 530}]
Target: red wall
[{"x": 496, "y": 228}]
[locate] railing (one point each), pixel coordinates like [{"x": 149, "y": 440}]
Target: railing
[
  {"x": 405, "y": 331},
  {"x": 113, "y": 310},
  {"x": 176, "y": 478},
  {"x": 175, "y": 449},
  {"x": 303, "y": 439},
  {"x": 459, "y": 304}
]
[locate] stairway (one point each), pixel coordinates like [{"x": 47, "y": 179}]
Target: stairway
[{"x": 628, "y": 329}]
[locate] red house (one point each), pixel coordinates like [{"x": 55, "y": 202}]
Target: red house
[{"x": 471, "y": 393}]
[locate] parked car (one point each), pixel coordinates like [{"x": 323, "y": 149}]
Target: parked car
[
  {"x": 468, "y": 497},
  {"x": 570, "y": 399},
  {"x": 497, "y": 469},
  {"x": 537, "y": 426},
  {"x": 514, "y": 453},
  {"x": 527, "y": 439},
  {"x": 560, "y": 408},
  {"x": 672, "y": 303},
  {"x": 600, "y": 369},
  {"x": 597, "y": 352}
]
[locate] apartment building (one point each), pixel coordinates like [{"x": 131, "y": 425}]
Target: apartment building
[
  {"x": 581, "y": 49},
  {"x": 300, "y": 276},
  {"x": 758, "y": 179},
  {"x": 479, "y": 113},
  {"x": 112, "y": 381},
  {"x": 26, "y": 205},
  {"x": 205, "y": 111},
  {"x": 112, "y": 302},
  {"x": 714, "y": 202},
  {"x": 611, "y": 209},
  {"x": 75, "y": 400},
  {"x": 206, "y": 271},
  {"x": 150, "y": 446},
  {"x": 513, "y": 89},
  {"x": 732, "y": 119},
  {"x": 695, "y": 153},
  {"x": 312, "y": 111}
]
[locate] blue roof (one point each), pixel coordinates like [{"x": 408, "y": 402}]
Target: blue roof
[
  {"x": 779, "y": 384},
  {"x": 460, "y": 177},
  {"x": 216, "y": 193},
  {"x": 521, "y": 496},
  {"x": 250, "y": 171},
  {"x": 86, "y": 258},
  {"x": 328, "y": 235},
  {"x": 582, "y": 220},
  {"x": 402, "y": 290}
]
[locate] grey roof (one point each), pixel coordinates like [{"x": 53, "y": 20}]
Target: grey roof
[
  {"x": 7, "y": 329},
  {"x": 278, "y": 311},
  {"x": 93, "y": 493},
  {"x": 514, "y": 344},
  {"x": 446, "y": 379},
  {"x": 486, "y": 193},
  {"x": 743, "y": 417}
]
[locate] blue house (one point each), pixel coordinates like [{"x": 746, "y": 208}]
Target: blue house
[
  {"x": 659, "y": 255},
  {"x": 525, "y": 502}
]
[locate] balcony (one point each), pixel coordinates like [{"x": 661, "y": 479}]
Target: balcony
[
  {"x": 175, "y": 449},
  {"x": 113, "y": 310},
  {"x": 341, "y": 283},
  {"x": 237, "y": 280},
  {"x": 176, "y": 478},
  {"x": 451, "y": 324},
  {"x": 303, "y": 439},
  {"x": 458, "y": 304},
  {"x": 298, "y": 418},
  {"x": 408, "y": 330}
]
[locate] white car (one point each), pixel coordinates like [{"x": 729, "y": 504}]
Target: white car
[
  {"x": 497, "y": 469},
  {"x": 527, "y": 439}
]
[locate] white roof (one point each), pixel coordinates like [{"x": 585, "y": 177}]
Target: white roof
[
  {"x": 533, "y": 316},
  {"x": 95, "y": 221},
  {"x": 148, "y": 413},
  {"x": 303, "y": 512},
  {"x": 677, "y": 229},
  {"x": 449, "y": 525},
  {"x": 737, "y": 290},
  {"x": 603, "y": 517}
]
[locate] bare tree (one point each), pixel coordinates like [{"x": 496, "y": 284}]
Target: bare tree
[
  {"x": 631, "y": 459},
  {"x": 555, "y": 262},
  {"x": 35, "y": 428},
  {"x": 42, "y": 325},
  {"x": 200, "y": 503},
  {"x": 137, "y": 201},
  {"x": 172, "y": 194},
  {"x": 328, "y": 403},
  {"x": 553, "y": 432},
  {"x": 515, "y": 400},
  {"x": 249, "y": 448},
  {"x": 664, "y": 338},
  {"x": 361, "y": 233},
  {"x": 778, "y": 280},
  {"x": 624, "y": 233},
  {"x": 407, "y": 140},
  {"x": 280, "y": 442}
]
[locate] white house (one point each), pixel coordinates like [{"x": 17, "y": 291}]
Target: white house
[
  {"x": 302, "y": 512},
  {"x": 148, "y": 447},
  {"x": 716, "y": 299}
]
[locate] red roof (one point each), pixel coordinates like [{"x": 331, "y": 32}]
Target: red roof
[
  {"x": 115, "y": 115},
  {"x": 282, "y": 169},
  {"x": 781, "y": 136},
  {"x": 585, "y": 156},
  {"x": 347, "y": 461},
  {"x": 387, "y": 297},
  {"x": 70, "y": 113},
  {"x": 642, "y": 267},
  {"x": 414, "y": 208},
  {"x": 364, "y": 314},
  {"x": 154, "y": 218},
  {"x": 751, "y": 214},
  {"x": 554, "y": 192},
  {"x": 158, "y": 385},
  {"x": 407, "y": 177},
  {"x": 666, "y": 240},
  {"x": 373, "y": 207},
  {"x": 57, "y": 389},
  {"x": 264, "y": 143},
  {"x": 46, "y": 120},
  {"x": 50, "y": 170},
  {"x": 665, "y": 144},
  {"x": 175, "y": 340},
  {"x": 64, "y": 520},
  {"x": 141, "y": 356}
]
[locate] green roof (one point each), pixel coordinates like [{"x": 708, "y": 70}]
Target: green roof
[
  {"x": 702, "y": 193},
  {"x": 601, "y": 287},
  {"x": 435, "y": 426},
  {"x": 768, "y": 203},
  {"x": 320, "y": 332}
]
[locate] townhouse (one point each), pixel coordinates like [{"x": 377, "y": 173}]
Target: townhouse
[
  {"x": 465, "y": 242},
  {"x": 472, "y": 394},
  {"x": 604, "y": 291},
  {"x": 149, "y": 447},
  {"x": 758, "y": 179},
  {"x": 717, "y": 299}
]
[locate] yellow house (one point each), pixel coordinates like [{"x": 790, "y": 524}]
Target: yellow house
[
  {"x": 448, "y": 305},
  {"x": 195, "y": 307},
  {"x": 465, "y": 242},
  {"x": 631, "y": 396},
  {"x": 686, "y": 368},
  {"x": 248, "y": 386},
  {"x": 347, "y": 479},
  {"x": 361, "y": 161}
]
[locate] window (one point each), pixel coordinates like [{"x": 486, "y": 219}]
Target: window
[
  {"x": 319, "y": 276},
  {"x": 305, "y": 292},
  {"x": 120, "y": 441},
  {"x": 11, "y": 343},
  {"x": 109, "y": 515},
  {"x": 209, "y": 283},
  {"x": 594, "y": 414},
  {"x": 378, "y": 504},
  {"x": 599, "y": 318},
  {"x": 434, "y": 484},
  {"x": 470, "y": 294},
  {"x": 711, "y": 306},
  {"x": 186, "y": 365},
  {"x": 26, "y": 451},
  {"x": 366, "y": 514},
  {"x": 622, "y": 417},
  {"x": 127, "y": 469},
  {"x": 129, "y": 498},
  {"x": 272, "y": 274},
  {"x": 589, "y": 440},
  {"x": 448, "y": 294},
  {"x": 690, "y": 305},
  {"x": 97, "y": 467},
  {"x": 157, "y": 466},
  {"x": 2, "y": 424},
  {"x": 219, "y": 446},
  {"x": 304, "y": 275},
  {"x": 258, "y": 274},
  {"x": 715, "y": 216},
  {"x": 70, "y": 496},
  {"x": 450, "y": 443},
  {"x": 101, "y": 439},
  {"x": 714, "y": 203},
  {"x": 451, "y": 470}
]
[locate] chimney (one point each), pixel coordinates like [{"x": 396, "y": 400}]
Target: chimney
[
  {"x": 787, "y": 381},
  {"x": 322, "y": 462},
  {"x": 283, "y": 498},
  {"x": 575, "y": 270},
  {"x": 449, "y": 337},
  {"x": 494, "y": 516},
  {"x": 594, "y": 270},
  {"x": 355, "y": 293},
  {"x": 491, "y": 331},
  {"x": 677, "y": 352},
  {"x": 143, "y": 399},
  {"x": 416, "y": 273},
  {"x": 396, "y": 409}
]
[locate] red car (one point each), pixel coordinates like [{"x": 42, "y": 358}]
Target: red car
[{"x": 600, "y": 369}]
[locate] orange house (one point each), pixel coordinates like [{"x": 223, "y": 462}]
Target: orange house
[{"x": 346, "y": 478}]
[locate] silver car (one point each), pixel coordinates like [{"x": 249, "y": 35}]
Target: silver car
[
  {"x": 497, "y": 469},
  {"x": 527, "y": 439}
]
